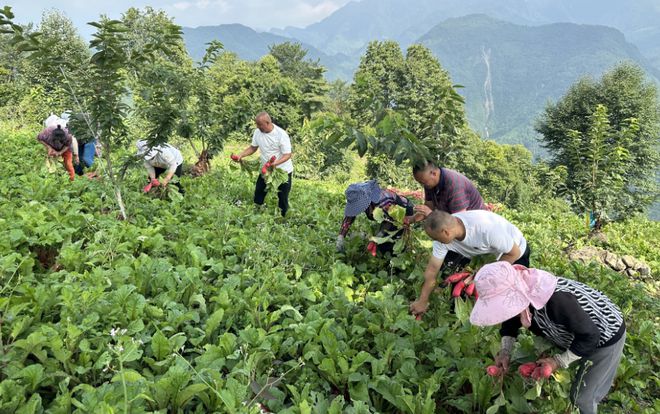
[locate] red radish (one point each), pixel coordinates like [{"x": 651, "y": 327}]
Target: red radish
[
  {"x": 147, "y": 188},
  {"x": 476, "y": 294},
  {"x": 542, "y": 371},
  {"x": 371, "y": 247},
  {"x": 264, "y": 170},
  {"x": 155, "y": 182},
  {"x": 272, "y": 159},
  {"x": 235, "y": 157},
  {"x": 456, "y": 277},
  {"x": 458, "y": 288},
  {"x": 526, "y": 370},
  {"x": 418, "y": 317},
  {"x": 469, "y": 290},
  {"x": 493, "y": 370}
]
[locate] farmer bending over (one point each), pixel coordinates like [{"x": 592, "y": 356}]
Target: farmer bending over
[
  {"x": 272, "y": 141},
  {"x": 160, "y": 159},
  {"x": 365, "y": 198},
  {"x": 450, "y": 191},
  {"x": 59, "y": 142},
  {"x": 578, "y": 319},
  {"x": 470, "y": 233}
]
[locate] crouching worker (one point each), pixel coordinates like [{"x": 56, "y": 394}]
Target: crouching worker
[
  {"x": 59, "y": 143},
  {"x": 581, "y": 321},
  {"x": 161, "y": 159},
  {"x": 470, "y": 234},
  {"x": 365, "y": 198}
]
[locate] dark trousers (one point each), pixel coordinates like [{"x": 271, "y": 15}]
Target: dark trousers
[
  {"x": 179, "y": 171},
  {"x": 282, "y": 193},
  {"x": 455, "y": 262},
  {"x": 524, "y": 259}
]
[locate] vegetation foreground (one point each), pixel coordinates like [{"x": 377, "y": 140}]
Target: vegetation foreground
[{"x": 206, "y": 304}]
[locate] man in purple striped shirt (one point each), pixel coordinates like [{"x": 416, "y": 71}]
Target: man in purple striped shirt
[
  {"x": 450, "y": 191},
  {"x": 446, "y": 190}
]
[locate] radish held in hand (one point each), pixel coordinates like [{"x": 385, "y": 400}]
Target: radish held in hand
[
  {"x": 235, "y": 157},
  {"x": 527, "y": 369},
  {"x": 456, "y": 277},
  {"x": 272, "y": 160},
  {"x": 469, "y": 290},
  {"x": 458, "y": 288},
  {"x": 542, "y": 371}
]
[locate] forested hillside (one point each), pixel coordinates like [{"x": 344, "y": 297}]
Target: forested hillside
[{"x": 123, "y": 293}]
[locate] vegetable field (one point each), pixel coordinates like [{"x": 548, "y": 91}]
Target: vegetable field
[{"x": 206, "y": 304}]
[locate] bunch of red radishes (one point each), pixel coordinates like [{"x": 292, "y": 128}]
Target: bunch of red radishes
[
  {"x": 463, "y": 282},
  {"x": 267, "y": 166},
  {"x": 532, "y": 370},
  {"x": 153, "y": 183}
]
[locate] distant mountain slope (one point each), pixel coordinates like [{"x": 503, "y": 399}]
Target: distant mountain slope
[
  {"x": 252, "y": 45},
  {"x": 353, "y": 25},
  {"x": 514, "y": 70}
]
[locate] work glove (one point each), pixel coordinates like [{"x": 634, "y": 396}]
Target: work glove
[{"x": 340, "y": 243}]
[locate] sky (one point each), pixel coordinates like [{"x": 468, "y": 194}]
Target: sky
[{"x": 258, "y": 14}]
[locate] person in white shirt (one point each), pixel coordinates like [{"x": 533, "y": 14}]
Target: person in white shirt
[
  {"x": 271, "y": 141},
  {"x": 469, "y": 233},
  {"x": 161, "y": 159}
]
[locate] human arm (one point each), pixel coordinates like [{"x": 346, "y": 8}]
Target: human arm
[
  {"x": 509, "y": 332},
  {"x": 150, "y": 169},
  {"x": 284, "y": 158},
  {"x": 513, "y": 255},
  {"x": 251, "y": 149},
  {"x": 564, "y": 309},
  {"x": 432, "y": 269}
]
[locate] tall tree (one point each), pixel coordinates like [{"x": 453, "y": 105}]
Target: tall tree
[
  {"x": 378, "y": 81},
  {"x": 632, "y": 110},
  {"x": 306, "y": 73}
]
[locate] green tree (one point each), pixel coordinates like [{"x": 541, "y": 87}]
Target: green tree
[
  {"x": 306, "y": 73},
  {"x": 378, "y": 81},
  {"x": 633, "y": 112},
  {"x": 401, "y": 110},
  {"x": 49, "y": 80}
]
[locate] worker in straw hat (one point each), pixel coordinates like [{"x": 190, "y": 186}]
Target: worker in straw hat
[
  {"x": 581, "y": 321},
  {"x": 366, "y": 197}
]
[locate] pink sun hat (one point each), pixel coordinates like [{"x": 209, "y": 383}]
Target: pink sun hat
[{"x": 506, "y": 290}]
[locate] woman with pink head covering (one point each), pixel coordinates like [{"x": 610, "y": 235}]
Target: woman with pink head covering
[{"x": 581, "y": 321}]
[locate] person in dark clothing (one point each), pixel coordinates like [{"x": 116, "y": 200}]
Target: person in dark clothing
[
  {"x": 581, "y": 321},
  {"x": 365, "y": 197},
  {"x": 446, "y": 190}
]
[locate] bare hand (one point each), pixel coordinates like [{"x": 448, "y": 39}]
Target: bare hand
[
  {"x": 423, "y": 209},
  {"x": 419, "y": 307}
]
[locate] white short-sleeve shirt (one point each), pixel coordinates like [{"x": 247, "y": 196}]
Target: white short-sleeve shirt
[
  {"x": 165, "y": 156},
  {"x": 485, "y": 233},
  {"x": 275, "y": 143}
]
